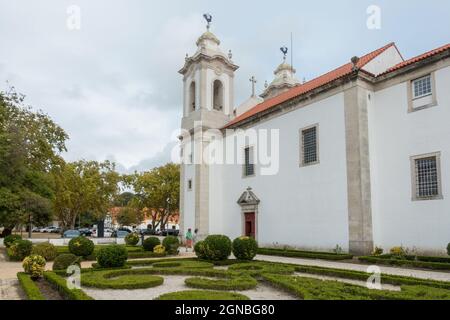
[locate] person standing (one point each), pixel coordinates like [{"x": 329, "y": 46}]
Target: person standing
[{"x": 189, "y": 238}]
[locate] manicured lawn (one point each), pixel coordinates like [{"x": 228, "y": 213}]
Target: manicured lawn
[
  {"x": 202, "y": 295},
  {"x": 134, "y": 252},
  {"x": 434, "y": 263}
]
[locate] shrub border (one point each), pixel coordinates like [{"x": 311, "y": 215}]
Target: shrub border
[
  {"x": 29, "y": 287},
  {"x": 59, "y": 283},
  {"x": 406, "y": 263},
  {"x": 304, "y": 254}
]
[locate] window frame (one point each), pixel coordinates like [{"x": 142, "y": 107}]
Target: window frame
[
  {"x": 414, "y": 178},
  {"x": 244, "y": 166},
  {"x": 411, "y": 93},
  {"x": 301, "y": 153}
]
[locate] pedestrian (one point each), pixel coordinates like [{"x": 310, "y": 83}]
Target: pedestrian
[
  {"x": 189, "y": 238},
  {"x": 194, "y": 238}
]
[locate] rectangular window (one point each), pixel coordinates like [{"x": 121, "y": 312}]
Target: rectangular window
[
  {"x": 426, "y": 180},
  {"x": 249, "y": 166},
  {"x": 190, "y": 184},
  {"x": 309, "y": 154},
  {"x": 422, "y": 87}
]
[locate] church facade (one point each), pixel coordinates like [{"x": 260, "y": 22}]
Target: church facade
[{"x": 358, "y": 157}]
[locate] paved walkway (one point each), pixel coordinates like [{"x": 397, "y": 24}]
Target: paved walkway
[{"x": 422, "y": 274}]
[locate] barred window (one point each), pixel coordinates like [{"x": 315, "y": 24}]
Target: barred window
[
  {"x": 190, "y": 184},
  {"x": 422, "y": 87},
  {"x": 309, "y": 146},
  {"x": 249, "y": 166},
  {"x": 427, "y": 183}
]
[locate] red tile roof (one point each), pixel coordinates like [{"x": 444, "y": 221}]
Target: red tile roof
[
  {"x": 309, "y": 86},
  {"x": 327, "y": 78},
  {"x": 418, "y": 58}
]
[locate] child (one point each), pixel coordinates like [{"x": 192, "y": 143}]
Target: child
[{"x": 189, "y": 237}]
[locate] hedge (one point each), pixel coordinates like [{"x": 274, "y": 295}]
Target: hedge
[
  {"x": 233, "y": 283},
  {"x": 202, "y": 295},
  {"x": 60, "y": 284},
  {"x": 304, "y": 254},
  {"x": 405, "y": 263},
  {"x": 120, "y": 279},
  {"x": 29, "y": 287}
]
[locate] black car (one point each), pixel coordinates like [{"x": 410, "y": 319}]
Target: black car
[
  {"x": 147, "y": 232},
  {"x": 170, "y": 232},
  {"x": 85, "y": 232},
  {"x": 121, "y": 233}
]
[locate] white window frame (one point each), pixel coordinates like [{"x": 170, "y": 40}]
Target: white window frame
[
  {"x": 302, "y": 163},
  {"x": 415, "y": 187},
  {"x": 411, "y": 93},
  {"x": 413, "y": 84}
]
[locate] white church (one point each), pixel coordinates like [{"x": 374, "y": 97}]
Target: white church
[{"x": 360, "y": 156}]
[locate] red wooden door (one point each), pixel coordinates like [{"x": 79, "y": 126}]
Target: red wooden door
[{"x": 249, "y": 224}]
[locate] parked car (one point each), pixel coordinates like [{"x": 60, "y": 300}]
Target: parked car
[
  {"x": 120, "y": 233},
  {"x": 71, "y": 234},
  {"x": 147, "y": 232},
  {"x": 36, "y": 229},
  {"x": 107, "y": 233},
  {"x": 50, "y": 230},
  {"x": 85, "y": 232},
  {"x": 170, "y": 232},
  {"x": 56, "y": 230}
]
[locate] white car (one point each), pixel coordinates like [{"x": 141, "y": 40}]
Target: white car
[{"x": 106, "y": 233}]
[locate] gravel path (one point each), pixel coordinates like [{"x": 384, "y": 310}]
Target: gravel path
[{"x": 422, "y": 274}]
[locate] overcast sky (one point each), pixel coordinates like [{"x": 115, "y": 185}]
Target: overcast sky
[{"x": 113, "y": 85}]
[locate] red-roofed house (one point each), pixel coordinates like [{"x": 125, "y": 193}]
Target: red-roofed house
[{"x": 358, "y": 157}]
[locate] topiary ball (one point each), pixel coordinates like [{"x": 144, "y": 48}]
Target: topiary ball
[
  {"x": 159, "y": 249},
  {"x": 113, "y": 256},
  {"x": 47, "y": 250},
  {"x": 9, "y": 240},
  {"x": 245, "y": 248},
  {"x": 81, "y": 246},
  {"x": 150, "y": 243},
  {"x": 34, "y": 265},
  {"x": 132, "y": 239},
  {"x": 63, "y": 261},
  {"x": 199, "y": 249},
  {"x": 171, "y": 243},
  {"x": 20, "y": 249},
  {"x": 217, "y": 247}
]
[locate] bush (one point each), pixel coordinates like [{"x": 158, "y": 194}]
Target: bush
[
  {"x": 199, "y": 249},
  {"x": 377, "y": 251},
  {"x": 202, "y": 295},
  {"x": 60, "y": 284},
  {"x": 63, "y": 261},
  {"x": 132, "y": 239},
  {"x": 47, "y": 250},
  {"x": 398, "y": 252},
  {"x": 171, "y": 243},
  {"x": 81, "y": 246},
  {"x": 29, "y": 287},
  {"x": 34, "y": 265},
  {"x": 9, "y": 240},
  {"x": 113, "y": 256},
  {"x": 159, "y": 249},
  {"x": 150, "y": 243},
  {"x": 217, "y": 247},
  {"x": 20, "y": 249},
  {"x": 245, "y": 248}
]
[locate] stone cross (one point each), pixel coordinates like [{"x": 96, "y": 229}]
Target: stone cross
[{"x": 253, "y": 81}]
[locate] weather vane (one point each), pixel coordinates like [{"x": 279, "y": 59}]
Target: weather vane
[
  {"x": 208, "y": 19},
  {"x": 285, "y": 51}
]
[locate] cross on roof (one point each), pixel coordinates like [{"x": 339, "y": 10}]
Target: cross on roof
[{"x": 253, "y": 81}]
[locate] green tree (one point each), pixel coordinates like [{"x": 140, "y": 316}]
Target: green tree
[
  {"x": 158, "y": 189},
  {"x": 123, "y": 199},
  {"x": 84, "y": 186},
  {"x": 130, "y": 216},
  {"x": 30, "y": 145}
]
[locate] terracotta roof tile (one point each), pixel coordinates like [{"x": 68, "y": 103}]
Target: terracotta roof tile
[{"x": 308, "y": 86}]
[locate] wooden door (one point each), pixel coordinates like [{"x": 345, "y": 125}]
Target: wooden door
[{"x": 249, "y": 225}]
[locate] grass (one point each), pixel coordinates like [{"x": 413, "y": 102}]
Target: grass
[
  {"x": 233, "y": 283},
  {"x": 120, "y": 280},
  {"x": 134, "y": 252},
  {"x": 60, "y": 284},
  {"x": 409, "y": 261},
  {"x": 202, "y": 295},
  {"x": 29, "y": 287},
  {"x": 304, "y": 254},
  {"x": 314, "y": 289}
]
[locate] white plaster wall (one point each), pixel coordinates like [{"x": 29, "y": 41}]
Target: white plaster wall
[
  {"x": 384, "y": 61},
  {"x": 395, "y": 136},
  {"x": 189, "y": 198},
  {"x": 300, "y": 206},
  {"x": 211, "y": 76}
]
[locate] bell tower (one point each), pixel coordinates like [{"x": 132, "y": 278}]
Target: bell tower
[{"x": 208, "y": 103}]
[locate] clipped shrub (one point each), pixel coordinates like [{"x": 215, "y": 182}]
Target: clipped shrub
[
  {"x": 448, "y": 249},
  {"x": 34, "y": 265},
  {"x": 9, "y": 240},
  {"x": 132, "y": 239},
  {"x": 63, "y": 261},
  {"x": 112, "y": 256},
  {"x": 199, "y": 249},
  {"x": 245, "y": 248},
  {"x": 159, "y": 249},
  {"x": 398, "y": 252},
  {"x": 47, "y": 250},
  {"x": 19, "y": 249},
  {"x": 81, "y": 246},
  {"x": 377, "y": 251},
  {"x": 171, "y": 243},
  {"x": 217, "y": 247},
  {"x": 150, "y": 243}
]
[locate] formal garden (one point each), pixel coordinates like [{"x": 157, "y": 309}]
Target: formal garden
[{"x": 160, "y": 273}]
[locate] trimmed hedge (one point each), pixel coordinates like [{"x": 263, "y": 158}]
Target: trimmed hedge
[
  {"x": 406, "y": 263},
  {"x": 63, "y": 261},
  {"x": 120, "y": 279},
  {"x": 234, "y": 283},
  {"x": 304, "y": 254},
  {"x": 29, "y": 287},
  {"x": 202, "y": 295},
  {"x": 60, "y": 284},
  {"x": 132, "y": 239},
  {"x": 150, "y": 243},
  {"x": 46, "y": 250},
  {"x": 19, "y": 249},
  {"x": 9, "y": 240},
  {"x": 113, "y": 256},
  {"x": 81, "y": 246},
  {"x": 245, "y": 248},
  {"x": 171, "y": 243},
  {"x": 216, "y": 247}
]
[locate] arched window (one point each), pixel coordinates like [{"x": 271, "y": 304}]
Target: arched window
[
  {"x": 217, "y": 95},
  {"x": 192, "y": 96}
]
